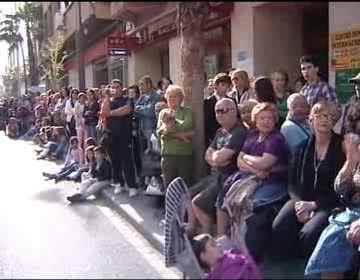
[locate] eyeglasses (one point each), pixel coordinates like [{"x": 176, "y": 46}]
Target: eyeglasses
[
  {"x": 223, "y": 111},
  {"x": 327, "y": 117}
]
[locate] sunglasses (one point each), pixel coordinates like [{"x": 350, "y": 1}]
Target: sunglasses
[{"x": 223, "y": 111}]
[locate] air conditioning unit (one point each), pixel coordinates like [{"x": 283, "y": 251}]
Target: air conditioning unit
[{"x": 59, "y": 21}]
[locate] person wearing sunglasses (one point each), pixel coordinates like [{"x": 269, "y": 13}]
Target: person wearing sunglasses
[
  {"x": 221, "y": 156},
  {"x": 222, "y": 83}
]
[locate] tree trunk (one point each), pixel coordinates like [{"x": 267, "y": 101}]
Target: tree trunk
[
  {"x": 34, "y": 72},
  {"x": 192, "y": 57},
  {"x": 24, "y": 66}
]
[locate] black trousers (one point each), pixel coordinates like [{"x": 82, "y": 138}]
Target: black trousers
[
  {"x": 121, "y": 155},
  {"x": 70, "y": 127},
  {"x": 293, "y": 239},
  {"x": 137, "y": 154}
]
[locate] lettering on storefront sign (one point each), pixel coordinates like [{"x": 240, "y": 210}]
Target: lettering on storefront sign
[
  {"x": 345, "y": 49},
  {"x": 122, "y": 41},
  {"x": 116, "y": 52}
]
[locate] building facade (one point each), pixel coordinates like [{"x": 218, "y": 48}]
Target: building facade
[{"x": 259, "y": 37}]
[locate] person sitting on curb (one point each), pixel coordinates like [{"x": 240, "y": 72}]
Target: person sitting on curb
[
  {"x": 74, "y": 158},
  {"x": 100, "y": 177}
]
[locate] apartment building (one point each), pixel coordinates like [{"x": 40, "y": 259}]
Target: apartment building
[{"x": 96, "y": 25}]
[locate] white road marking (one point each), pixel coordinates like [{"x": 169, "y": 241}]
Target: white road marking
[{"x": 154, "y": 258}]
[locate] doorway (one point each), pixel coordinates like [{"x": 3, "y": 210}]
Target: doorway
[{"x": 316, "y": 35}]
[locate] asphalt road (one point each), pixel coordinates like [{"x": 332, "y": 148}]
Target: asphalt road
[{"x": 43, "y": 236}]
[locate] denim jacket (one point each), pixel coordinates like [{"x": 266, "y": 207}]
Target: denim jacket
[{"x": 145, "y": 110}]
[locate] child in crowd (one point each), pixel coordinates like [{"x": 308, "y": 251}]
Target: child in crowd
[
  {"x": 73, "y": 160},
  {"x": 34, "y": 129},
  {"x": 12, "y": 129},
  {"x": 219, "y": 264},
  {"x": 56, "y": 143},
  {"x": 245, "y": 112},
  {"x": 89, "y": 159},
  {"x": 100, "y": 177}
]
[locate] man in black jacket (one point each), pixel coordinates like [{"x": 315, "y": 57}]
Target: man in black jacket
[
  {"x": 118, "y": 110},
  {"x": 222, "y": 85}
]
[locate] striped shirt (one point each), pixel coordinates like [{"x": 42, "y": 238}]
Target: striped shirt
[{"x": 318, "y": 91}]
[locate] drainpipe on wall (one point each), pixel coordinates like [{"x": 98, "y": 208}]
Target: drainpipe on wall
[{"x": 79, "y": 52}]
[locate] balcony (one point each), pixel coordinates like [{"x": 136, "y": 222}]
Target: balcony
[
  {"x": 136, "y": 11},
  {"x": 98, "y": 10}
]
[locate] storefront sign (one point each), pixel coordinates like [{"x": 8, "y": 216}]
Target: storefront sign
[
  {"x": 116, "y": 52},
  {"x": 344, "y": 90},
  {"x": 345, "y": 49},
  {"x": 121, "y": 41}
]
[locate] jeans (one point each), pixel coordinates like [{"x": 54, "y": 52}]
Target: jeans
[
  {"x": 76, "y": 175},
  {"x": 92, "y": 187},
  {"x": 91, "y": 132},
  {"x": 67, "y": 170}
]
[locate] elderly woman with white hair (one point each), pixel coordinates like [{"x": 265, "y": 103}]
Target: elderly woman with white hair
[
  {"x": 175, "y": 128},
  {"x": 296, "y": 129}
]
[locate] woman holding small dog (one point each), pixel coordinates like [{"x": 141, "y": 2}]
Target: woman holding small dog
[{"x": 175, "y": 128}]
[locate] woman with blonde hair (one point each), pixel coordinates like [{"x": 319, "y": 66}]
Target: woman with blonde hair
[
  {"x": 315, "y": 164},
  {"x": 176, "y": 138}
]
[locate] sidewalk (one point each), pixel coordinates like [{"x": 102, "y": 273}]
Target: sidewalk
[{"x": 141, "y": 212}]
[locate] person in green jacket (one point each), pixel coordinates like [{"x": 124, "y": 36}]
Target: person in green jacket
[
  {"x": 280, "y": 80},
  {"x": 175, "y": 129}
]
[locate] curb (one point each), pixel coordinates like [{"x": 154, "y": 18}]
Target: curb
[{"x": 109, "y": 196}]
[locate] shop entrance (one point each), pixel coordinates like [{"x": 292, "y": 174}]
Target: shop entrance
[
  {"x": 316, "y": 35},
  {"x": 101, "y": 73}
]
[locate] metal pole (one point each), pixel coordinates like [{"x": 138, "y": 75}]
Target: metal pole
[{"x": 79, "y": 51}]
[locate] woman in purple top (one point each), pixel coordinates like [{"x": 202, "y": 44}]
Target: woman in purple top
[{"x": 265, "y": 154}]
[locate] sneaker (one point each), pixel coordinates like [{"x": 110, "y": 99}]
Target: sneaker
[
  {"x": 118, "y": 188},
  {"x": 133, "y": 192},
  {"x": 154, "y": 190},
  {"x": 75, "y": 197}
]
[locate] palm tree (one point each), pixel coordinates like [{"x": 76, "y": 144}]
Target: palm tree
[
  {"x": 190, "y": 19},
  {"x": 9, "y": 32},
  {"x": 31, "y": 13}
]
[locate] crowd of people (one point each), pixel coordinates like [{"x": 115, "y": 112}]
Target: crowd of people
[{"x": 306, "y": 202}]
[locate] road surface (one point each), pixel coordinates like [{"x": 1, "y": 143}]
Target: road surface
[{"x": 43, "y": 236}]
